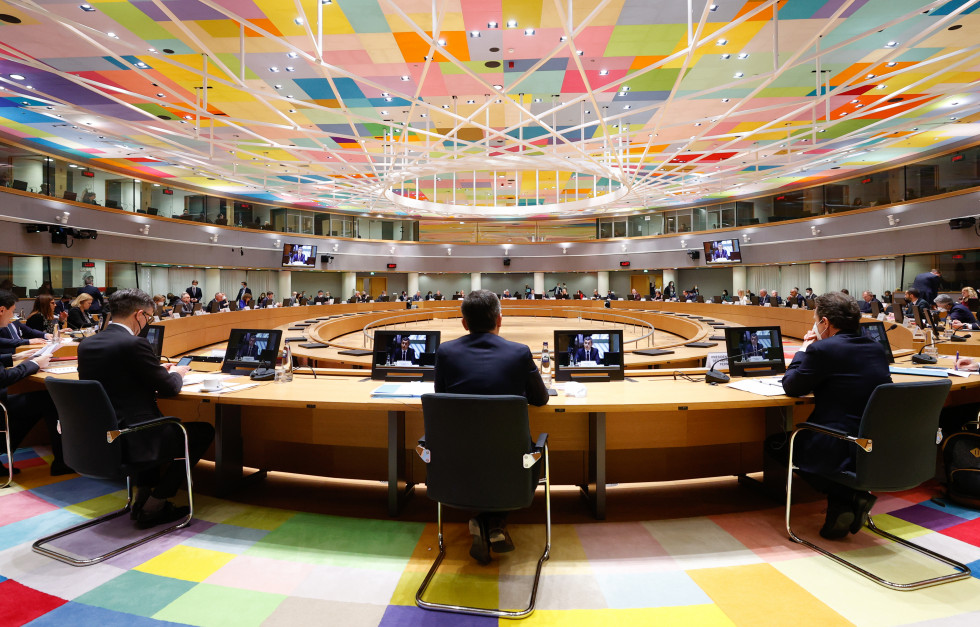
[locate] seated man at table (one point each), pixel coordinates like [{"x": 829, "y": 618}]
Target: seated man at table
[
  {"x": 26, "y": 408},
  {"x": 218, "y": 303},
  {"x": 320, "y": 298},
  {"x": 958, "y": 315},
  {"x": 126, "y": 366},
  {"x": 249, "y": 350},
  {"x": 404, "y": 352},
  {"x": 865, "y": 303},
  {"x": 841, "y": 367},
  {"x": 754, "y": 347},
  {"x": 587, "y": 352},
  {"x": 482, "y": 362},
  {"x": 184, "y": 306}
]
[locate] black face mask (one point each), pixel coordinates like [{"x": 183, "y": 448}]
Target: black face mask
[{"x": 144, "y": 330}]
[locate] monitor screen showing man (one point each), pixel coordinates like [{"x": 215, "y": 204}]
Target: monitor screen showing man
[
  {"x": 589, "y": 354},
  {"x": 754, "y": 351},
  {"x": 298, "y": 255},
  {"x": 250, "y": 348},
  {"x": 404, "y": 355}
]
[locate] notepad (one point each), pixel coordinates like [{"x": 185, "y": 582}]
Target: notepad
[
  {"x": 764, "y": 386},
  {"x": 920, "y": 372},
  {"x": 412, "y": 389},
  {"x": 62, "y": 370}
]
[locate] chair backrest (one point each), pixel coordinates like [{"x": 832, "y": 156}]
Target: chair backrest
[
  {"x": 901, "y": 419},
  {"x": 477, "y": 444},
  {"x": 86, "y": 414}
]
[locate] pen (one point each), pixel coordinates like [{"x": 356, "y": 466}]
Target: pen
[{"x": 955, "y": 366}]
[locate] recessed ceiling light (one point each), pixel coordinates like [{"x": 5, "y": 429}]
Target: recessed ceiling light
[
  {"x": 891, "y": 64},
  {"x": 273, "y": 69},
  {"x": 389, "y": 99},
  {"x": 384, "y": 113},
  {"x": 17, "y": 77},
  {"x": 726, "y": 56},
  {"x": 113, "y": 35},
  {"x": 721, "y": 42},
  {"x": 441, "y": 42},
  {"x": 142, "y": 65},
  {"x": 290, "y": 68},
  {"x": 855, "y": 100},
  {"x": 528, "y": 32},
  {"x": 445, "y": 106},
  {"x": 292, "y": 55},
  {"x": 713, "y": 7},
  {"x": 537, "y": 100},
  {"x": 498, "y": 87},
  {"x": 743, "y": 55},
  {"x": 870, "y": 76},
  {"x": 405, "y": 78},
  {"x": 739, "y": 75},
  {"x": 384, "y": 94},
  {"x": 470, "y": 102},
  {"x": 160, "y": 96},
  {"x": 152, "y": 49},
  {"x": 474, "y": 33},
  {"x": 891, "y": 44},
  {"x": 953, "y": 119},
  {"x": 627, "y": 107},
  {"x": 292, "y": 110},
  {"x": 603, "y": 72},
  {"x": 725, "y": 99},
  {"x": 278, "y": 86},
  {"x": 580, "y": 52},
  {"x": 563, "y": 38},
  {"x": 697, "y": 124},
  {"x": 86, "y": 7},
  {"x": 588, "y": 112},
  {"x": 299, "y": 21},
  {"x": 511, "y": 23}
]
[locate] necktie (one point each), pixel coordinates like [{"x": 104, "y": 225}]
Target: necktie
[
  {"x": 404, "y": 356},
  {"x": 14, "y": 330}
]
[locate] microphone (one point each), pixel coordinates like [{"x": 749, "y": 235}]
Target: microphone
[
  {"x": 263, "y": 374},
  {"x": 920, "y": 358},
  {"x": 713, "y": 376}
]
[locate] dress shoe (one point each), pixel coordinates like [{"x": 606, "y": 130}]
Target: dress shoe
[
  {"x": 142, "y": 496},
  {"x": 840, "y": 516},
  {"x": 167, "y": 514},
  {"x": 480, "y": 551},
  {"x": 500, "y": 540},
  {"x": 60, "y": 468},
  {"x": 863, "y": 502}
]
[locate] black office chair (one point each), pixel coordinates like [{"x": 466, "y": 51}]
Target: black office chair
[
  {"x": 897, "y": 442},
  {"x": 479, "y": 458},
  {"x": 89, "y": 435},
  {"x": 10, "y": 451}
]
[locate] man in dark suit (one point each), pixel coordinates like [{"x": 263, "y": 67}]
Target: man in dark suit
[
  {"x": 242, "y": 292},
  {"x": 482, "y": 362},
  {"x": 249, "y": 350},
  {"x": 913, "y": 300},
  {"x": 958, "y": 315},
  {"x": 865, "y": 303},
  {"x": 125, "y": 365},
  {"x": 97, "y": 299},
  {"x": 63, "y": 304},
  {"x": 16, "y": 334},
  {"x": 752, "y": 348},
  {"x": 320, "y": 299},
  {"x": 404, "y": 352},
  {"x": 195, "y": 292},
  {"x": 795, "y": 298},
  {"x": 218, "y": 303},
  {"x": 765, "y": 299},
  {"x": 184, "y": 306},
  {"x": 928, "y": 284},
  {"x": 26, "y": 408},
  {"x": 438, "y": 295},
  {"x": 841, "y": 368},
  {"x": 587, "y": 352}
]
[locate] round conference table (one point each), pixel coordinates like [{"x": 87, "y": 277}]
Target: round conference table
[{"x": 653, "y": 426}]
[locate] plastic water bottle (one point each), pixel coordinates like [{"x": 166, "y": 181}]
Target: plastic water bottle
[
  {"x": 56, "y": 336},
  {"x": 545, "y": 364},
  {"x": 287, "y": 365}
]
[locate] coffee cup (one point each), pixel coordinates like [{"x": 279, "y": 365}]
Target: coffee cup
[{"x": 211, "y": 384}]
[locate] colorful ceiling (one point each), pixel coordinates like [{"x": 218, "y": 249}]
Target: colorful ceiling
[{"x": 490, "y": 108}]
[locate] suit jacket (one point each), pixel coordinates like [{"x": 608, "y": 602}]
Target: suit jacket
[
  {"x": 593, "y": 355},
  {"x": 241, "y": 293},
  {"x": 97, "y": 298},
  {"x": 412, "y": 355},
  {"x": 195, "y": 293},
  {"x": 484, "y": 363},
  {"x": 962, "y": 313},
  {"x": 842, "y": 371},
  {"x": 222, "y": 304},
  {"x": 320, "y": 300},
  {"x": 183, "y": 310},
  {"x": 928, "y": 285},
  {"x": 634, "y": 297},
  {"x": 249, "y": 351},
  {"x": 11, "y": 375},
  {"x": 23, "y": 333},
  {"x": 78, "y": 318},
  {"x": 133, "y": 378},
  {"x": 866, "y": 305},
  {"x": 799, "y": 301}
]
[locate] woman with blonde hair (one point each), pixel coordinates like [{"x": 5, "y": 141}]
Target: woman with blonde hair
[
  {"x": 78, "y": 317},
  {"x": 742, "y": 298}
]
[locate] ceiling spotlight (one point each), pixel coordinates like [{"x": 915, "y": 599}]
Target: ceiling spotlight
[
  {"x": 580, "y": 52},
  {"x": 292, "y": 110},
  {"x": 290, "y": 68},
  {"x": 113, "y": 35},
  {"x": 491, "y": 25},
  {"x": 470, "y": 102},
  {"x": 511, "y": 23},
  {"x": 384, "y": 112},
  {"x": 726, "y": 56},
  {"x": 273, "y": 69},
  {"x": 713, "y": 7},
  {"x": 814, "y": 230},
  {"x": 563, "y": 38},
  {"x": 603, "y": 72},
  {"x": 627, "y": 106},
  {"x": 441, "y": 42},
  {"x": 891, "y": 44},
  {"x": 891, "y": 64},
  {"x": 721, "y": 42},
  {"x": 869, "y": 76},
  {"x": 292, "y": 55},
  {"x": 405, "y": 78},
  {"x": 278, "y": 86},
  {"x": 86, "y": 7},
  {"x": 743, "y": 55},
  {"x": 528, "y": 32},
  {"x": 498, "y": 87},
  {"x": 474, "y": 33},
  {"x": 299, "y": 21},
  {"x": 739, "y": 74},
  {"x": 725, "y": 99},
  {"x": 17, "y": 77},
  {"x": 892, "y": 220}
]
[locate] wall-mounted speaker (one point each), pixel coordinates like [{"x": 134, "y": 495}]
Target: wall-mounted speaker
[
  {"x": 506, "y": 261},
  {"x": 326, "y": 258}
]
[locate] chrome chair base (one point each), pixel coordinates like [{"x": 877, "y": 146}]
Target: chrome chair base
[{"x": 494, "y": 612}]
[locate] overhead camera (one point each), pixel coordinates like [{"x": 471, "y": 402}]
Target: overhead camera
[{"x": 326, "y": 258}]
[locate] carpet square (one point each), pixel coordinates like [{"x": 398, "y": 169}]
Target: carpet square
[
  {"x": 449, "y": 586},
  {"x": 52, "y": 577},
  {"x": 700, "y": 615},
  {"x": 226, "y": 538},
  {"x": 700, "y": 543},
  {"x": 636, "y": 590},
  {"x": 30, "y": 529},
  {"x": 968, "y": 531},
  {"x": 375, "y": 544},
  {"x": 623, "y": 547},
  {"x": 207, "y": 605},
  {"x": 186, "y": 562},
  {"x": 556, "y": 592},
  {"x": 22, "y": 505},
  {"x": 262, "y": 574},
  {"x": 255, "y": 517},
  {"x": 305, "y": 611},
  {"x": 78, "y": 614},
  {"x": 350, "y": 585},
  {"x": 100, "y": 505},
  {"x": 950, "y": 507},
  {"x": 927, "y": 517},
  {"x": 145, "y": 552},
  {"x": 405, "y": 616},
  {"x": 137, "y": 593},
  {"x": 20, "y": 604},
  {"x": 75, "y": 490}
]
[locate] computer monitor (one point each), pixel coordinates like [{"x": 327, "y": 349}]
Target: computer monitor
[
  {"x": 876, "y": 331},
  {"x": 214, "y": 307},
  {"x": 112, "y": 204},
  {"x": 589, "y": 355},
  {"x": 931, "y": 320},
  {"x": 754, "y": 300},
  {"x": 875, "y": 308},
  {"x": 197, "y": 307},
  {"x": 21, "y": 185},
  {"x": 71, "y": 195},
  {"x": 154, "y": 335},
  {"x": 233, "y": 305},
  {"x": 406, "y": 355},
  {"x": 250, "y": 348},
  {"x": 898, "y": 308},
  {"x": 754, "y": 351}
]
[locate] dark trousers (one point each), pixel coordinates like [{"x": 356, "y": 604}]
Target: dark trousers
[
  {"x": 166, "y": 478},
  {"x": 777, "y": 448},
  {"x": 24, "y": 410}
]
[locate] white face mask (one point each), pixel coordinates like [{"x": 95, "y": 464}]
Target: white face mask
[{"x": 816, "y": 330}]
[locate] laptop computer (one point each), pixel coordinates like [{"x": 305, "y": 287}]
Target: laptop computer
[{"x": 876, "y": 331}]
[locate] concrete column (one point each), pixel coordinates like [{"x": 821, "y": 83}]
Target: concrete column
[
  {"x": 212, "y": 284},
  {"x": 670, "y": 274},
  {"x": 876, "y": 277},
  {"x": 285, "y": 285},
  {"x": 738, "y": 280},
  {"x": 539, "y": 282},
  {"x": 602, "y": 282},
  {"x": 413, "y": 283},
  {"x": 475, "y": 281},
  {"x": 818, "y": 278},
  {"x": 349, "y": 283}
]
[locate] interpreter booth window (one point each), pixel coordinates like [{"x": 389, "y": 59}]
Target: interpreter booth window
[
  {"x": 947, "y": 173},
  {"x": 960, "y": 269}
]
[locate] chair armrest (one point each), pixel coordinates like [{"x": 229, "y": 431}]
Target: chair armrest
[
  {"x": 863, "y": 443},
  {"x": 530, "y": 459},
  {"x": 542, "y": 440},
  {"x": 424, "y": 453},
  {"x": 113, "y": 434}
]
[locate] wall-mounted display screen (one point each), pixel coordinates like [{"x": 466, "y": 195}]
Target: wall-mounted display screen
[{"x": 722, "y": 251}]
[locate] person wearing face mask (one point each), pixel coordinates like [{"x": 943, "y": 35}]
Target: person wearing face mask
[
  {"x": 126, "y": 366},
  {"x": 841, "y": 368},
  {"x": 958, "y": 315}
]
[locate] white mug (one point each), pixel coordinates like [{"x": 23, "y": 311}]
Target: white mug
[{"x": 211, "y": 384}]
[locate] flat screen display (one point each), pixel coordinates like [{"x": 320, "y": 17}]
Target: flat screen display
[
  {"x": 250, "y": 348},
  {"x": 876, "y": 331},
  {"x": 298, "y": 256},
  {"x": 588, "y": 355},
  {"x": 154, "y": 335},
  {"x": 405, "y": 355},
  {"x": 722, "y": 251},
  {"x": 754, "y": 351}
]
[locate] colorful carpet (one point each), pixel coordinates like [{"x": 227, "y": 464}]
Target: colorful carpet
[{"x": 244, "y": 565}]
